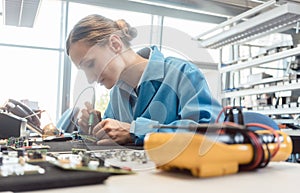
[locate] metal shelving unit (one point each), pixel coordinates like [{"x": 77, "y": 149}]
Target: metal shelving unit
[
  {"x": 270, "y": 17},
  {"x": 265, "y": 81},
  {"x": 261, "y": 60},
  {"x": 254, "y": 91},
  {"x": 273, "y": 111},
  {"x": 248, "y": 26}
]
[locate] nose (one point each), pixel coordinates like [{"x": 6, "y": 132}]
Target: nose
[{"x": 90, "y": 77}]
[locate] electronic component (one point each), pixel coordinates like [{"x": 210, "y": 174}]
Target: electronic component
[
  {"x": 16, "y": 143},
  {"x": 15, "y": 163},
  {"x": 36, "y": 155}
]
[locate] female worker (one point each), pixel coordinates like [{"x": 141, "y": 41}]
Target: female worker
[{"x": 146, "y": 88}]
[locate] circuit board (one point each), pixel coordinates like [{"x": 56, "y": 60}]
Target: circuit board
[
  {"x": 115, "y": 161},
  {"x": 137, "y": 160},
  {"x": 11, "y": 165},
  {"x": 22, "y": 143},
  {"x": 86, "y": 163}
]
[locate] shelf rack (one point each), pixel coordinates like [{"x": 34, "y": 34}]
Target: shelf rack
[
  {"x": 279, "y": 17},
  {"x": 265, "y": 81},
  {"x": 268, "y": 18},
  {"x": 262, "y": 60},
  {"x": 279, "y": 111},
  {"x": 269, "y": 89}
]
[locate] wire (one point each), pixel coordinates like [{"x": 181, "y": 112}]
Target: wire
[
  {"x": 276, "y": 149},
  {"x": 220, "y": 113},
  {"x": 33, "y": 114},
  {"x": 259, "y": 160},
  {"x": 232, "y": 124},
  {"x": 225, "y": 109},
  {"x": 93, "y": 103},
  {"x": 268, "y": 159},
  {"x": 258, "y": 152}
]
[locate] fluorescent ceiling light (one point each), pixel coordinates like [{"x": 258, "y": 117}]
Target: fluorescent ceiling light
[
  {"x": 180, "y": 7},
  {"x": 278, "y": 19},
  {"x": 20, "y": 12}
]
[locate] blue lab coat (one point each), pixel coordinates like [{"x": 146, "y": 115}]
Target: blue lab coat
[{"x": 171, "y": 91}]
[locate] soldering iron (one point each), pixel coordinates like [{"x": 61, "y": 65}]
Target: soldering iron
[{"x": 90, "y": 123}]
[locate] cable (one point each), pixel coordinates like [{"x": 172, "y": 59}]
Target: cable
[
  {"x": 93, "y": 103},
  {"x": 258, "y": 151},
  {"x": 276, "y": 149},
  {"x": 220, "y": 113},
  {"x": 240, "y": 120},
  {"x": 91, "y": 116},
  {"x": 240, "y": 117},
  {"x": 268, "y": 159},
  {"x": 259, "y": 158},
  {"x": 37, "y": 113},
  {"x": 230, "y": 113}
]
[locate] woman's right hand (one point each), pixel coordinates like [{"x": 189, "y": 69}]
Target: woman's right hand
[{"x": 83, "y": 120}]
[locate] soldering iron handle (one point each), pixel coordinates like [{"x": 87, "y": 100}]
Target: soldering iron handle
[{"x": 91, "y": 122}]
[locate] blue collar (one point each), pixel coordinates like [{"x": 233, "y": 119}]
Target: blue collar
[
  {"x": 153, "y": 71},
  {"x": 155, "y": 68}
]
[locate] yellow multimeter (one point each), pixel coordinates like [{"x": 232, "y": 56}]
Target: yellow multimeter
[{"x": 205, "y": 156}]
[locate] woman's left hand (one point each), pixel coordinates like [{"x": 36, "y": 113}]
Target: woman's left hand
[{"x": 111, "y": 131}]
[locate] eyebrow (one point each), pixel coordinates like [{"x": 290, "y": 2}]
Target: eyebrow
[{"x": 81, "y": 62}]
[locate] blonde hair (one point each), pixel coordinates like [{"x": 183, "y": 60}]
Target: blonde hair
[{"x": 95, "y": 28}]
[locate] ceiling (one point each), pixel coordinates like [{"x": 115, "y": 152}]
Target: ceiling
[{"x": 212, "y": 11}]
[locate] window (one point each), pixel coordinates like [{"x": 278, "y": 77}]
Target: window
[
  {"x": 30, "y": 59},
  {"x": 30, "y": 74}
]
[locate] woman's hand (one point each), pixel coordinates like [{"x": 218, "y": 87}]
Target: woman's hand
[
  {"x": 111, "y": 131},
  {"x": 83, "y": 121}
]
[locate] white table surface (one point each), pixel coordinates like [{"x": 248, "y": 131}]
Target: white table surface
[{"x": 276, "y": 177}]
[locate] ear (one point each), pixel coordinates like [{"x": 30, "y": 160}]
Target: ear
[{"x": 115, "y": 43}]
